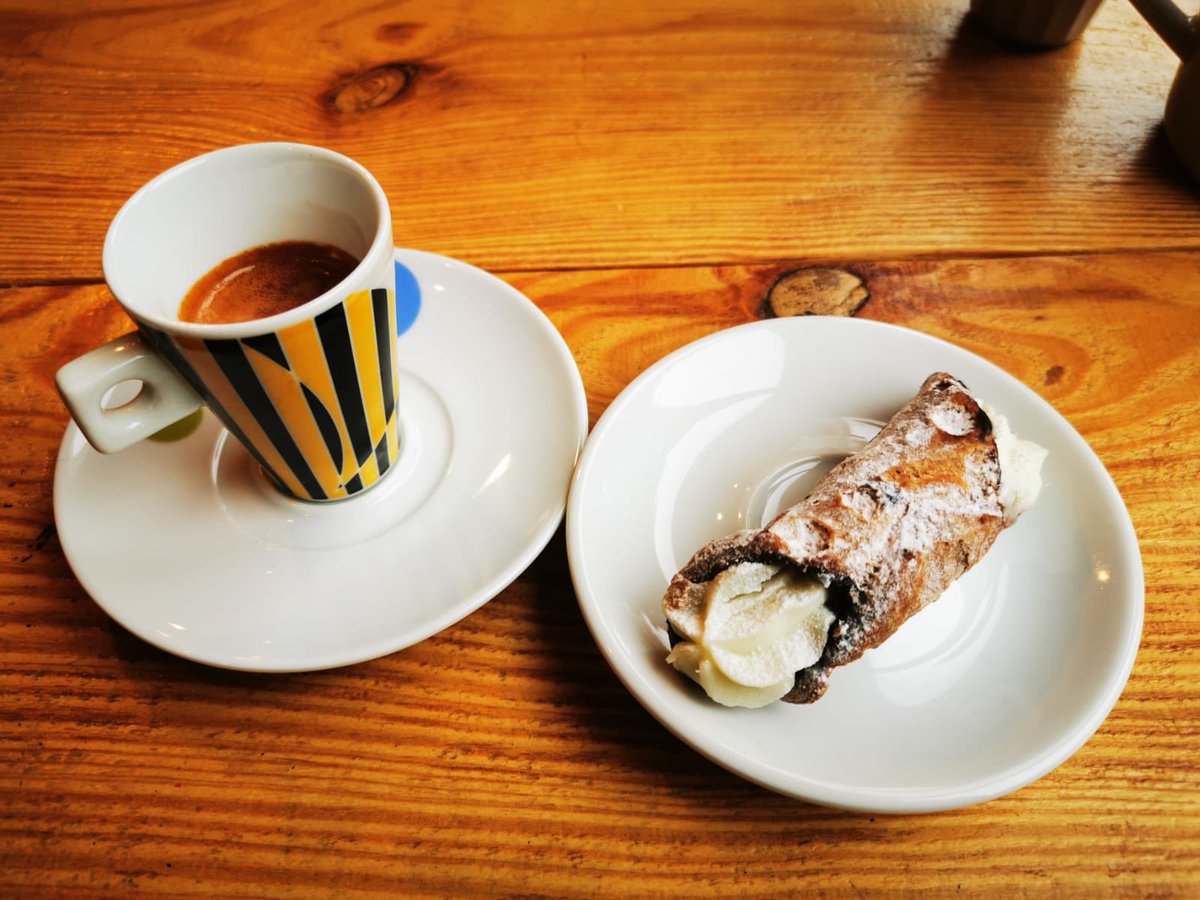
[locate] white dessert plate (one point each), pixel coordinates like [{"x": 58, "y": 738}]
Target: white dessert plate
[
  {"x": 187, "y": 545},
  {"x": 984, "y": 691}
]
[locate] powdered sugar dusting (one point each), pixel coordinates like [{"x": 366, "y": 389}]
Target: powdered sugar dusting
[
  {"x": 952, "y": 419},
  {"x": 892, "y": 525},
  {"x": 904, "y": 517}
]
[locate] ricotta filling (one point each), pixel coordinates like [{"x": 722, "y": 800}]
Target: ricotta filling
[
  {"x": 749, "y": 631},
  {"x": 1020, "y": 467}
]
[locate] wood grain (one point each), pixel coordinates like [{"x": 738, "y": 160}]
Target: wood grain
[
  {"x": 502, "y": 757},
  {"x": 535, "y": 136}
]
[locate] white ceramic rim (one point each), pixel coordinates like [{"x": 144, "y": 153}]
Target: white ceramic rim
[
  {"x": 867, "y": 800},
  {"x": 532, "y": 317},
  {"x": 380, "y": 251}
]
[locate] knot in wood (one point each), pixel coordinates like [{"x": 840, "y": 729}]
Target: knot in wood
[
  {"x": 373, "y": 88},
  {"x": 816, "y": 292}
]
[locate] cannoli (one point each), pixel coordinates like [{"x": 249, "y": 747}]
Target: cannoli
[{"x": 763, "y": 615}]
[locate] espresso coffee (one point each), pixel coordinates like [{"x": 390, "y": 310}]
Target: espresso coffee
[{"x": 265, "y": 281}]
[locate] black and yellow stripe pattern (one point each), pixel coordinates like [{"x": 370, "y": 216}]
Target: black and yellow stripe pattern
[{"x": 315, "y": 403}]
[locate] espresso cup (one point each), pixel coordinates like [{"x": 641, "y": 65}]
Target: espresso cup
[
  {"x": 310, "y": 392},
  {"x": 1181, "y": 119}
]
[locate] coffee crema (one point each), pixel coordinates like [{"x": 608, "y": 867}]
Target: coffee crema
[{"x": 265, "y": 281}]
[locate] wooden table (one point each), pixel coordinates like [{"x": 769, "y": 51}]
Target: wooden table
[{"x": 647, "y": 173}]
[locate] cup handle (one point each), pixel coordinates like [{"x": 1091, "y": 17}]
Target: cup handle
[
  {"x": 165, "y": 397},
  {"x": 1171, "y": 23}
]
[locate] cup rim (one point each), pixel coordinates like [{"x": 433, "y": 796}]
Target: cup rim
[{"x": 381, "y": 245}]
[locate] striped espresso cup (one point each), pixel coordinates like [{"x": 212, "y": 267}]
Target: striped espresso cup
[{"x": 311, "y": 391}]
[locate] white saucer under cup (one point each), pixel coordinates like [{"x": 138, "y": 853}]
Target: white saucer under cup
[
  {"x": 200, "y": 555},
  {"x": 984, "y": 691}
]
